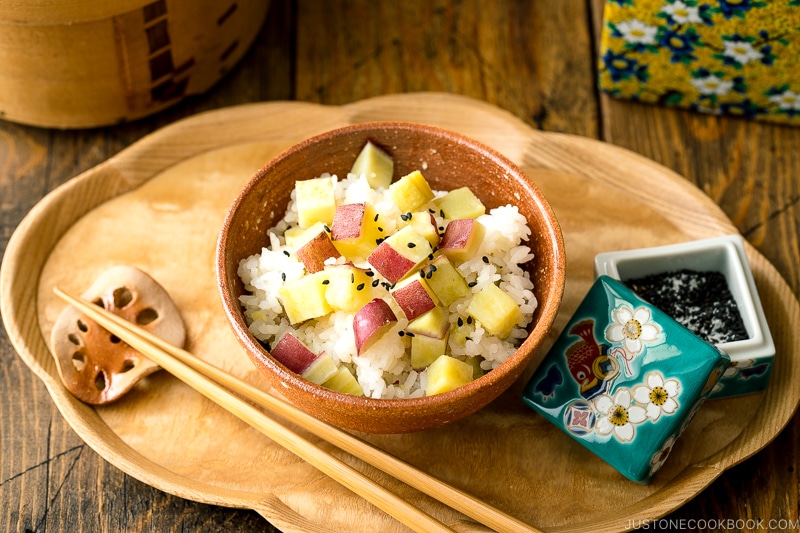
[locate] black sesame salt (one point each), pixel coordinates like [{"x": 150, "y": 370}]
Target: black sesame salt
[
  {"x": 700, "y": 301},
  {"x": 360, "y": 287},
  {"x": 376, "y": 282}
]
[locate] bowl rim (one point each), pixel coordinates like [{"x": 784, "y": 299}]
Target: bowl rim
[{"x": 515, "y": 364}]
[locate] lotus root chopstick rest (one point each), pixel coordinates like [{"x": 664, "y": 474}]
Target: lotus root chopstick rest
[
  {"x": 96, "y": 366},
  {"x": 624, "y": 379}
]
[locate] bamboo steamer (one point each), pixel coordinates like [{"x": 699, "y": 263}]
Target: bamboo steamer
[{"x": 78, "y": 64}]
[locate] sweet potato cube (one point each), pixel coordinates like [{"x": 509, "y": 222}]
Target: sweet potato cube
[
  {"x": 371, "y": 322},
  {"x": 447, "y": 373},
  {"x": 375, "y": 165},
  {"x": 349, "y": 288},
  {"x": 304, "y": 298},
  {"x": 497, "y": 312},
  {"x": 298, "y": 358},
  {"x": 344, "y": 381},
  {"x": 414, "y": 297},
  {"x": 321, "y": 369},
  {"x": 432, "y": 323},
  {"x": 411, "y": 192},
  {"x": 425, "y": 224},
  {"x": 460, "y": 203},
  {"x": 400, "y": 254},
  {"x": 355, "y": 231},
  {"x": 315, "y": 201},
  {"x": 296, "y": 236},
  {"x": 425, "y": 350},
  {"x": 461, "y": 239},
  {"x": 316, "y": 251},
  {"x": 445, "y": 280}
]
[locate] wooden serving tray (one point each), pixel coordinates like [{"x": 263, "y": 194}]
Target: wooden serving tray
[{"x": 159, "y": 205}]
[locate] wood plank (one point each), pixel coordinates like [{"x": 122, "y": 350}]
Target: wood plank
[{"x": 511, "y": 54}]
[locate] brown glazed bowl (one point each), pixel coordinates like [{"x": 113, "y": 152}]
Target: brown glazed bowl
[{"x": 450, "y": 161}]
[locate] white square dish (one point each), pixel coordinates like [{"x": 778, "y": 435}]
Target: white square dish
[{"x": 751, "y": 358}]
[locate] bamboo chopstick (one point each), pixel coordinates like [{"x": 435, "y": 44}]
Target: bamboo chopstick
[{"x": 207, "y": 379}]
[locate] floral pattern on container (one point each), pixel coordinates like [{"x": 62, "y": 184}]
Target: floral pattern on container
[
  {"x": 624, "y": 379},
  {"x": 722, "y": 57}
]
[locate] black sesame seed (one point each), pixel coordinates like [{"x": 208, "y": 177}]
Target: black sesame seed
[
  {"x": 378, "y": 241},
  {"x": 283, "y": 276},
  {"x": 433, "y": 268},
  {"x": 352, "y": 278},
  {"x": 485, "y": 259},
  {"x": 286, "y": 253},
  {"x": 369, "y": 273},
  {"x": 376, "y": 282},
  {"x": 429, "y": 275},
  {"x": 460, "y": 321},
  {"x": 380, "y": 229},
  {"x": 325, "y": 281},
  {"x": 360, "y": 286},
  {"x": 700, "y": 301},
  {"x": 411, "y": 245},
  {"x": 469, "y": 320},
  {"x": 410, "y": 334},
  {"x": 401, "y": 333},
  {"x": 441, "y": 213},
  {"x": 327, "y": 228},
  {"x": 376, "y": 217},
  {"x": 472, "y": 283}
]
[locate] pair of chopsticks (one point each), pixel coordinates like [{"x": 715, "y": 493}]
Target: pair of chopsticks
[{"x": 230, "y": 393}]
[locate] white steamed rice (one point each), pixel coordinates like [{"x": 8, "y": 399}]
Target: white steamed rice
[{"x": 383, "y": 370}]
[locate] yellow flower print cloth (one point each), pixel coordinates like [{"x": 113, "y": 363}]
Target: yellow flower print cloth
[{"x": 732, "y": 57}]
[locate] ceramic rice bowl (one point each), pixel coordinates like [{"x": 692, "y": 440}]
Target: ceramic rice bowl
[{"x": 448, "y": 161}]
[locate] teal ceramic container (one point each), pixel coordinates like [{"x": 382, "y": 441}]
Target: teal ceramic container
[{"x": 624, "y": 379}]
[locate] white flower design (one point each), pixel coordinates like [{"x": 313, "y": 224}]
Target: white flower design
[
  {"x": 658, "y": 396},
  {"x": 681, "y": 13},
  {"x": 619, "y": 415},
  {"x": 741, "y": 51},
  {"x": 660, "y": 457},
  {"x": 711, "y": 84},
  {"x": 787, "y": 100},
  {"x": 636, "y": 31},
  {"x": 632, "y": 327}
]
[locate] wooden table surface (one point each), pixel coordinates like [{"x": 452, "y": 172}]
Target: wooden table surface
[{"x": 533, "y": 58}]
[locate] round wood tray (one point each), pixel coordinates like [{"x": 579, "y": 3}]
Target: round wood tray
[{"x": 159, "y": 205}]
